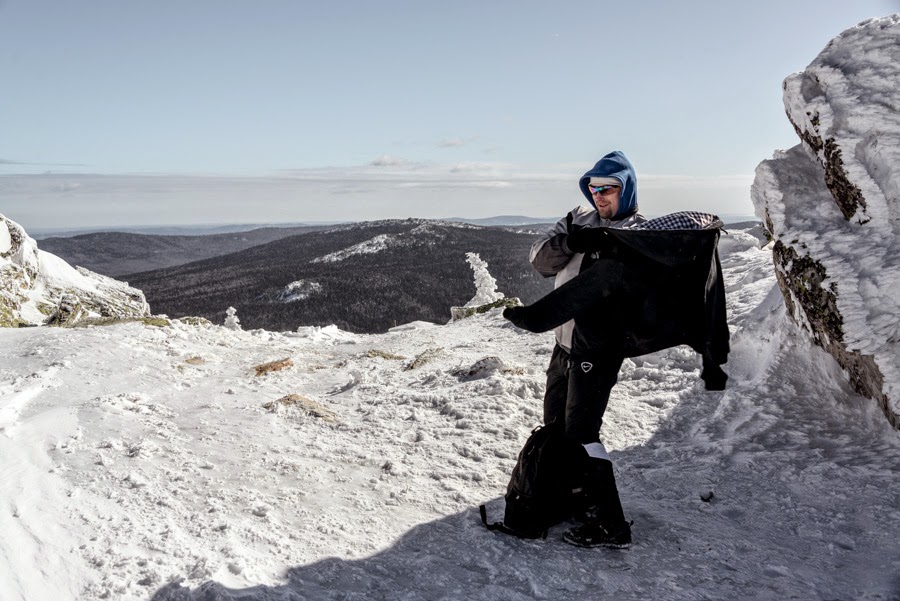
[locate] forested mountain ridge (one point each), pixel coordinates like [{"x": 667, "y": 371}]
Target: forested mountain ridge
[
  {"x": 119, "y": 253},
  {"x": 364, "y": 277}
]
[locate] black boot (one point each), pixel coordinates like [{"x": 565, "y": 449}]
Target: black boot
[
  {"x": 598, "y": 535},
  {"x": 604, "y": 521}
]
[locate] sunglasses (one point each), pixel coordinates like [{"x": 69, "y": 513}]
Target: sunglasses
[{"x": 602, "y": 190}]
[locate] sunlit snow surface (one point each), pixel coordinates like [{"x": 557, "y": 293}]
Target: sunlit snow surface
[{"x": 139, "y": 463}]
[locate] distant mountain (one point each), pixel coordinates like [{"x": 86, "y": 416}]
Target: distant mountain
[
  {"x": 365, "y": 277},
  {"x": 513, "y": 220},
  {"x": 133, "y": 250},
  {"x": 172, "y": 230},
  {"x": 734, "y": 219},
  {"x": 119, "y": 253},
  {"x": 504, "y": 220},
  {"x": 230, "y": 228}
]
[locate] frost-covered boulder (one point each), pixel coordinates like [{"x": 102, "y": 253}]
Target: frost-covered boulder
[
  {"x": 231, "y": 319},
  {"x": 486, "y": 295},
  {"x": 832, "y": 205},
  {"x": 69, "y": 311},
  {"x": 37, "y": 287}
]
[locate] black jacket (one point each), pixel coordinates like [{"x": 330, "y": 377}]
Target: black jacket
[{"x": 644, "y": 291}]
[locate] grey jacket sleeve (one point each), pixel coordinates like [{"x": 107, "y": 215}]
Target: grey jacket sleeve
[{"x": 549, "y": 254}]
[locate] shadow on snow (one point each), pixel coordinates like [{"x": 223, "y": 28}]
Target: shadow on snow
[{"x": 804, "y": 507}]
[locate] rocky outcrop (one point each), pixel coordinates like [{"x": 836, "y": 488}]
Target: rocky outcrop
[
  {"x": 832, "y": 205},
  {"x": 457, "y": 313},
  {"x": 40, "y": 288}
]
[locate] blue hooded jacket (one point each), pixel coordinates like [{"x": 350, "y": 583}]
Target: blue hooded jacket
[{"x": 617, "y": 166}]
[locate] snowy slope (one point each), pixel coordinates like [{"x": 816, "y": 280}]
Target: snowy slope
[{"x": 139, "y": 462}]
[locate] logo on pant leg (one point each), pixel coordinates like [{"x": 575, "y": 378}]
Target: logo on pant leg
[{"x": 586, "y": 367}]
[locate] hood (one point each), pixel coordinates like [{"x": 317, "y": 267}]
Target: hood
[{"x": 617, "y": 166}]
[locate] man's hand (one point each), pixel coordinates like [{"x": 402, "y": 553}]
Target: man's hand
[{"x": 587, "y": 240}]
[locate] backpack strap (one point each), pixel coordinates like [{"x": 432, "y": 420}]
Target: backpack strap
[{"x": 506, "y": 529}]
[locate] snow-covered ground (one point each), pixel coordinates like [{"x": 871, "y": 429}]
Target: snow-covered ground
[{"x": 139, "y": 462}]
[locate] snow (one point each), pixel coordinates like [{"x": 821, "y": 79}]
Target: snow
[
  {"x": 298, "y": 290},
  {"x": 485, "y": 284},
  {"x": 848, "y": 94},
  {"x": 51, "y": 270},
  {"x": 367, "y": 247},
  {"x": 132, "y": 473},
  {"x": 5, "y": 240},
  {"x": 60, "y": 274},
  {"x": 232, "y": 321},
  {"x": 413, "y": 325}
]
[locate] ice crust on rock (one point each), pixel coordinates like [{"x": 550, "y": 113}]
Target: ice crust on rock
[
  {"x": 832, "y": 204},
  {"x": 485, "y": 284},
  {"x": 33, "y": 282},
  {"x": 486, "y": 295}
]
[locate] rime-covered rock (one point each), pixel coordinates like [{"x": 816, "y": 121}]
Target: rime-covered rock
[
  {"x": 37, "y": 287},
  {"x": 832, "y": 205},
  {"x": 486, "y": 295},
  {"x": 485, "y": 284},
  {"x": 463, "y": 312},
  {"x": 68, "y": 312},
  {"x": 231, "y": 319}
]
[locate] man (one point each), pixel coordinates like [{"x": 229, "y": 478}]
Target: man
[{"x": 579, "y": 385}]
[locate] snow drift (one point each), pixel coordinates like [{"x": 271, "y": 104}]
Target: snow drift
[
  {"x": 832, "y": 204},
  {"x": 37, "y": 287}
]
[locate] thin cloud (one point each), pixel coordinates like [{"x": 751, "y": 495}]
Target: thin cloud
[
  {"x": 12, "y": 162},
  {"x": 390, "y": 161},
  {"x": 456, "y": 142},
  {"x": 473, "y": 167},
  {"x": 454, "y": 184},
  {"x": 451, "y": 143}
]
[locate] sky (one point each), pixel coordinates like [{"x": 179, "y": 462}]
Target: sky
[{"x": 168, "y": 112}]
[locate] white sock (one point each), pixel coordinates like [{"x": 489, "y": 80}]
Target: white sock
[{"x": 596, "y": 450}]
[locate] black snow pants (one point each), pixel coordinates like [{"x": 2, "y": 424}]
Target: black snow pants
[{"x": 578, "y": 389}]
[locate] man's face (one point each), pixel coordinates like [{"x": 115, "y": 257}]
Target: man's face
[{"x": 606, "y": 199}]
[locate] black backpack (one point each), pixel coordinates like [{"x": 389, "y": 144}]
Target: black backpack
[{"x": 546, "y": 485}]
